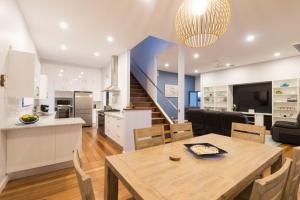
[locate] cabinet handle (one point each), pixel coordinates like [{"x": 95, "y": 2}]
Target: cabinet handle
[{"x": 38, "y": 91}]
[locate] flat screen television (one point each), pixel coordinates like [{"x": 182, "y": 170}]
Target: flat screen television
[{"x": 256, "y": 96}]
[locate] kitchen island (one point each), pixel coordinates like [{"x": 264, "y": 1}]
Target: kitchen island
[
  {"x": 119, "y": 126},
  {"x": 37, "y": 148}
]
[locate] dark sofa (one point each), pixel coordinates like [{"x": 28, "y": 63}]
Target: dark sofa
[
  {"x": 205, "y": 121},
  {"x": 286, "y": 132}
]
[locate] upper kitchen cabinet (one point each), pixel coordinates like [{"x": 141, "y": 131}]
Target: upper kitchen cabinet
[{"x": 23, "y": 74}]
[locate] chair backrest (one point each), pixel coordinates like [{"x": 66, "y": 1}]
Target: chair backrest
[
  {"x": 294, "y": 177},
  {"x": 148, "y": 137},
  {"x": 181, "y": 131},
  {"x": 248, "y": 132},
  {"x": 84, "y": 181},
  {"x": 273, "y": 186}
]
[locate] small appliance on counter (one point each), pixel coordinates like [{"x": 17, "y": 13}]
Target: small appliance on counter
[{"x": 45, "y": 108}]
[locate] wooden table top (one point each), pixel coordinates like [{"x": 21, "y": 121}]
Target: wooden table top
[{"x": 149, "y": 174}]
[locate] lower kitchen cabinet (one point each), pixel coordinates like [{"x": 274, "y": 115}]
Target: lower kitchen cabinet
[
  {"x": 67, "y": 138},
  {"x": 38, "y": 147},
  {"x": 114, "y": 128},
  {"x": 29, "y": 149}
]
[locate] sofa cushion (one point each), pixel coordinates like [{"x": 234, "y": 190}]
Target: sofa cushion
[
  {"x": 212, "y": 121},
  {"x": 205, "y": 121}
]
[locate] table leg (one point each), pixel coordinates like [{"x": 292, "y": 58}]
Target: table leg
[
  {"x": 110, "y": 185},
  {"x": 277, "y": 165}
]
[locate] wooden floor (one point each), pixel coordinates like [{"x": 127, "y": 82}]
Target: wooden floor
[{"x": 62, "y": 184}]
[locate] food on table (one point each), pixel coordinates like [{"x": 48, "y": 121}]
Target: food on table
[{"x": 202, "y": 149}]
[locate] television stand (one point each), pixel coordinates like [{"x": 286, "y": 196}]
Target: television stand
[{"x": 260, "y": 119}]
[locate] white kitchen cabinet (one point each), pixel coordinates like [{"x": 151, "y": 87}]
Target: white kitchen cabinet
[
  {"x": 97, "y": 95},
  {"x": 29, "y": 149},
  {"x": 114, "y": 128},
  {"x": 43, "y": 87},
  {"x": 67, "y": 139},
  {"x": 23, "y": 71}
]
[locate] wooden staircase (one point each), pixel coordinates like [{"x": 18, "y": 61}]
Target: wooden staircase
[{"x": 141, "y": 99}]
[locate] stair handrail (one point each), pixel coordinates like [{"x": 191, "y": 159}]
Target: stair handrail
[{"x": 159, "y": 90}]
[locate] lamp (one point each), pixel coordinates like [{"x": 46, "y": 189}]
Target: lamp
[{"x": 200, "y": 23}]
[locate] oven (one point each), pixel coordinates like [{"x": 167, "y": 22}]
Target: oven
[{"x": 64, "y": 107}]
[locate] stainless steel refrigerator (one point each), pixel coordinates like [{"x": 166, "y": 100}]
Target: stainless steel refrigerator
[{"x": 83, "y": 106}]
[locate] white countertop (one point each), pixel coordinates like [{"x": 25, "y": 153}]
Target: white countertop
[
  {"x": 14, "y": 124},
  {"x": 115, "y": 114}
]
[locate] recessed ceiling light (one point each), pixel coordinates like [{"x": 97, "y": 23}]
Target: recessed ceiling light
[
  {"x": 250, "y": 38},
  {"x": 228, "y": 65},
  {"x": 81, "y": 73},
  {"x": 277, "y": 54},
  {"x": 110, "y": 39},
  {"x": 60, "y": 75},
  {"x": 63, "y": 47},
  {"x": 196, "y": 71},
  {"x": 61, "y": 71},
  {"x": 196, "y": 55},
  {"x": 167, "y": 65},
  {"x": 96, "y": 54},
  {"x": 63, "y": 25}
]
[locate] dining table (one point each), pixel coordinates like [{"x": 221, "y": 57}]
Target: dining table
[{"x": 150, "y": 174}]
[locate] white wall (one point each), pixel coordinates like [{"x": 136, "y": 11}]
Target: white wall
[
  {"x": 70, "y": 80},
  {"x": 118, "y": 100},
  {"x": 260, "y": 72},
  {"x": 13, "y": 32},
  {"x": 124, "y": 78}
]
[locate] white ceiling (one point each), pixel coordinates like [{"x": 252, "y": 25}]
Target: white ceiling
[{"x": 275, "y": 23}]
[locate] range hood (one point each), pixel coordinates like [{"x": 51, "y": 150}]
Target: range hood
[{"x": 114, "y": 76}]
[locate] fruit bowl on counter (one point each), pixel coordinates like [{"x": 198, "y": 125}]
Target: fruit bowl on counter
[{"x": 29, "y": 119}]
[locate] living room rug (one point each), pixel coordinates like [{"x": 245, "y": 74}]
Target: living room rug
[{"x": 270, "y": 141}]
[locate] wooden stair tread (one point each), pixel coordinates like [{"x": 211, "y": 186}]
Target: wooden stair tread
[
  {"x": 143, "y": 107},
  {"x": 168, "y": 140},
  {"x": 161, "y": 124},
  {"x": 141, "y": 100},
  {"x": 133, "y": 93}
]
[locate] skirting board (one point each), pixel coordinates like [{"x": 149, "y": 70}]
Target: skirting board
[
  {"x": 3, "y": 183},
  {"x": 40, "y": 170}
]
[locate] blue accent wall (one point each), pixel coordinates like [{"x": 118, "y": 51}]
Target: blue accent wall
[
  {"x": 142, "y": 58},
  {"x": 172, "y": 79}
]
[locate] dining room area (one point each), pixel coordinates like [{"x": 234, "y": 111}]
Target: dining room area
[{"x": 208, "y": 167}]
